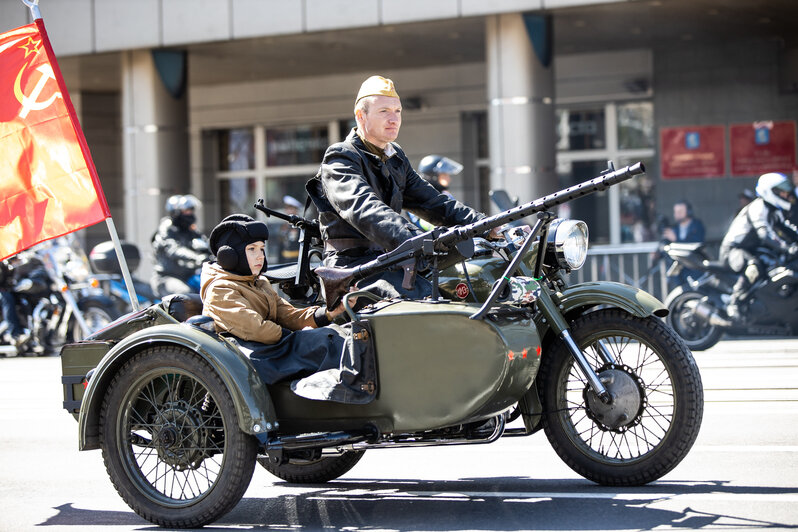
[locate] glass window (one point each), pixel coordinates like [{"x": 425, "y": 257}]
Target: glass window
[
  {"x": 639, "y": 221},
  {"x": 237, "y": 196},
  {"x": 236, "y": 149},
  {"x": 580, "y": 129},
  {"x": 345, "y": 126},
  {"x": 635, "y": 125},
  {"x": 592, "y": 209},
  {"x": 296, "y": 145}
]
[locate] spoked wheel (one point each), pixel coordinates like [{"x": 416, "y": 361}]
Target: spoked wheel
[
  {"x": 311, "y": 467},
  {"x": 171, "y": 441},
  {"x": 696, "y": 332},
  {"x": 657, "y": 404},
  {"x": 96, "y": 316}
]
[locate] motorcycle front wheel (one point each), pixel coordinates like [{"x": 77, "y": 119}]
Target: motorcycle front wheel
[
  {"x": 657, "y": 405},
  {"x": 696, "y": 332},
  {"x": 171, "y": 441},
  {"x": 96, "y": 316}
]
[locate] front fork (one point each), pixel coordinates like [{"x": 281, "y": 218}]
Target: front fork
[{"x": 552, "y": 314}]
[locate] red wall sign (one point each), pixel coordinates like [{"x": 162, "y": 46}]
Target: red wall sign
[
  {"x": 692, "y": 151},
  {"x": 761, "y": 147}
]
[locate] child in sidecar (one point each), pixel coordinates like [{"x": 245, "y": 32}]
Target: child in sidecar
[{"x": 282, "y": 341}]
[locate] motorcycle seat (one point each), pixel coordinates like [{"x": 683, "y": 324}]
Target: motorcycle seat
[
  {"x": 281, "y": 272},
  {"x": 716, "y": 266}
]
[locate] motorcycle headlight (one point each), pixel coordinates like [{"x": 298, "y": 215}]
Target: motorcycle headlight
[{"x": 567, "y": 243}]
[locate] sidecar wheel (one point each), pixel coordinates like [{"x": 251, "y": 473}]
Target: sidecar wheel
[
  {"x": 313, "y": 471},
  {"x": 655, "y": 416},
  {"x": 170, "y": 439},
  {"x": 696, "y": 333}
]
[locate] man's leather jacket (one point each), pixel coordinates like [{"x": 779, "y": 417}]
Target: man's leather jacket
[{"x": 360, "y": 198}]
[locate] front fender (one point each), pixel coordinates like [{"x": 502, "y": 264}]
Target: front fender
[
  {"x": 250, "y": 395},
  {"x": 581, "y": 297}
]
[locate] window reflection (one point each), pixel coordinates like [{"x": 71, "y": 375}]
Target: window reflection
[
  {"x": 635, "y": 125},
  {"x": 237, "y": 196},
  {"x": 296, "y": 145},
  {"x": 581, "y": 129},
  {"x": 236, "y": 149}
]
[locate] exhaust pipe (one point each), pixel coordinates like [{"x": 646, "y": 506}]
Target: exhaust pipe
[{"x": 708, "y": 313}]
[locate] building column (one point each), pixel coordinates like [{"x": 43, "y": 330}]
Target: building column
[
  {"x": 521, "y": 105},
  {"x": 155, "y": 144}
]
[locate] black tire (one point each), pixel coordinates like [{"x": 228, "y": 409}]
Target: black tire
[
  {"x": 696, "y": 333},
  {"x": 313, "y": 469},
  {"x": 96, "y": 315},
  {"x": 657, "y": 387},
  {"x": 171, "y": 441}
]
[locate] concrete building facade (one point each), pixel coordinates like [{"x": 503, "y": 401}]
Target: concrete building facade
[{"x": 233, "y": 100}]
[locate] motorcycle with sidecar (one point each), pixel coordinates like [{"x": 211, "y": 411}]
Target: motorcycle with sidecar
[{"x": 182, "y": 417}]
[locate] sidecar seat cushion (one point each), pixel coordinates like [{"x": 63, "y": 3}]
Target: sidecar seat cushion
[{"x": 182, "y": 306}]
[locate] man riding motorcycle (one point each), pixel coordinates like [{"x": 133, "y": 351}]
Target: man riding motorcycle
[
  {"x": 179, "y": 248},
  {"x": 761, "y": 223}
]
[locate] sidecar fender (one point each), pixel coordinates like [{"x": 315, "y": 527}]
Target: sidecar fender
[
  {"x": 250, "y": 395},
  {"x": 582, "y": 297}
]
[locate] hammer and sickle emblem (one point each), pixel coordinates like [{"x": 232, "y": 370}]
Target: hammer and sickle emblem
[{"x": 32, "y": 103}]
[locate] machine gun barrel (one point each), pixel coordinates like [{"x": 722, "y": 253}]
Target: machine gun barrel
[
  {"x": 603, "y": 182},
  {"x": 310, "y": 226},
  {"x": 336, "y": 281}
]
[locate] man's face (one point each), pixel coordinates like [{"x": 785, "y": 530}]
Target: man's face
[
  {"x": 680, "y": 212},
  {"x": 380, "y": 124}
]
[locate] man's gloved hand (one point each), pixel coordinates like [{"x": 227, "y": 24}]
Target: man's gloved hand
[{"x": 496, "y": 233}]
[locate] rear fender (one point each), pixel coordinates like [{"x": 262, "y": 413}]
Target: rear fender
[{"x": 256, "y": 413}]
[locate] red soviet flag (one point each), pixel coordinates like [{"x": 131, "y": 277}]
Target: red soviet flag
[{"x": 48, "y": 184}]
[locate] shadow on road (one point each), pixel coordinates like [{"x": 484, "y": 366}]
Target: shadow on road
[{"x": 509, "y": 503}]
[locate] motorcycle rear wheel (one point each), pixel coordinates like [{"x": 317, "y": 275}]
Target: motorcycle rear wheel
[
  {"x": 661, "y": 387},
  {"x": 696, "y": 333},
  {"x": 171, "y": 441},
  {"x": 313, "y": 471}
]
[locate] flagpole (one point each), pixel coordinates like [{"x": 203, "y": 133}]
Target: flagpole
[
  {"x": 131, "y": 290},
  {"x": 33, "y": 5}
]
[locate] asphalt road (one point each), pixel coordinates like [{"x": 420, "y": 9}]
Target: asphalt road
[{"x": 742, "y": 473}]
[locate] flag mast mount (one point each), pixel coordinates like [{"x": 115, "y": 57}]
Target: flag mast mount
[
  {"x": 33, "y": 5},
  {"x": 34, "y": 8}
]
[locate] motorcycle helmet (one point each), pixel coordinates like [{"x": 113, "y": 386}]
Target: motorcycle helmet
[
  {"x": 773, "y": 187},
  {"x": 432, "y": 166},
  {"x": 177, "y": 207}
]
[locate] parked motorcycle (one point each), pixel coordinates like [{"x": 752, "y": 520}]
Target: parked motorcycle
[
  {"x": 182, "y": 417},
  {"x": 108, "y": 273},
  {"x": 55, "y": 298},
  {"x": 697, "y": 308}
]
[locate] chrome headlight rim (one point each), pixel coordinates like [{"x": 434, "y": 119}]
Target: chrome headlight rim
[{"x": 568, "y": 243}]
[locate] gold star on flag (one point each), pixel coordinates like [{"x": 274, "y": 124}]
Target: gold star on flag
[{"x": 31, "y": 46}]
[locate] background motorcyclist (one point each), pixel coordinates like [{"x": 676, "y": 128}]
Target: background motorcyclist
[
  {"x": 179, "y": 248},
  {"x": 761, "y": 223},
  {"x": 16, "y": 334},
  {"x": 438, "y": 171}
]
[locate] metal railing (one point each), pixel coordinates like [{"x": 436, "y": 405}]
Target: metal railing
[{"x": 635, "y": 264}]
